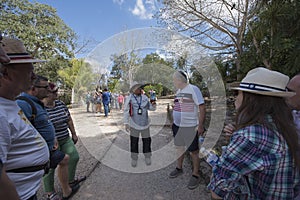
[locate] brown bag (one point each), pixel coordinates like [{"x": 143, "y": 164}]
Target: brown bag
[{"x": 130, "y": 109}]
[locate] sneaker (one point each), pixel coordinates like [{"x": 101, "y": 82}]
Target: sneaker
[
  {"x": 133, "y": 163},
  {"x": 148, "y": 161},
  {"x": 176, "y": 172},
  {"x": 194, "y": 182}
]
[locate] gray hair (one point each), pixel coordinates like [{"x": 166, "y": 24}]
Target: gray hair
[{"x": 181, "y": 75}]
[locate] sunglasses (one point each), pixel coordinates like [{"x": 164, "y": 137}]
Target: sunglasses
[
  {"x": 41, "y": 86},
  {"x": 53, "y": 92}
]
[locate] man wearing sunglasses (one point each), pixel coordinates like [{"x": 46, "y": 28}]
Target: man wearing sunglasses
[{"x": 37, "y": 92}]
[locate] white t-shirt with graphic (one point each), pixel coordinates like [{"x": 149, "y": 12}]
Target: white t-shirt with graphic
[
  {"x": 186, "y": 106},
  {"x": 21, "y": 146}
]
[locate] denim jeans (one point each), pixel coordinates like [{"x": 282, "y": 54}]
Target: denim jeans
[{"x": 105, "y": 109}]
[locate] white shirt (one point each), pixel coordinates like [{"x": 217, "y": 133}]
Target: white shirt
[
  {"x": 21, "y": 146},
  {"x": 186, "y": 106}
]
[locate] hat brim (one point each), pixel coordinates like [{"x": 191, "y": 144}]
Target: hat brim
[
  {"x": 19, "y": 61},
  {"x": 267, "y": 93},
  {"x": 136, "y": 86}
]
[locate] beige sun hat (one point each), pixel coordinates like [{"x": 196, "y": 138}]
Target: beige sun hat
[
  {"x": 16, "y": 51},
  {"x": 135, "y": 85},
  {"x": 265, "y": 82}
]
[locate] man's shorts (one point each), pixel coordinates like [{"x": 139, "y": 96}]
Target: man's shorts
[
  {"x": 56, "y": 157},
  {"x": 186, "y": 136}
]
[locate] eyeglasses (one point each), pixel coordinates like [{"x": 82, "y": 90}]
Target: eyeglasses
[
  {"x": 53, "y": 92},
  {"x": 41, "y": 86}
]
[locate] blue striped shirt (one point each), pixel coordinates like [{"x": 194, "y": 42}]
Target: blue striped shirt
[
  {"x": 59, "y": 116},
  {"x": 257, "y": 163}
]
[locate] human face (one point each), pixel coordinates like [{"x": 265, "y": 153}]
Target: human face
[
  {"x": 42, "y": 89},
  {"x": 138, "y": 91},
  {"x": 238, "y": 100},
  {"x": 294, "y": 86},
  {"x": 176, "y": 82},
  {"x": 52, "y": 95},
  {"x": 21, "y": 75}
]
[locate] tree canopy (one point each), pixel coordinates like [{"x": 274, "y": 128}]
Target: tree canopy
[{"x": 43, "y": 32}]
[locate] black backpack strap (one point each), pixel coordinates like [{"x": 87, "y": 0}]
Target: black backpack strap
[{"x": 33, "y": 108}]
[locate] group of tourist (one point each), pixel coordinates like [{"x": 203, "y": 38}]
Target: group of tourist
[
  {"x": 261, "y": 160},
  {"x": 35, "y": 125}
]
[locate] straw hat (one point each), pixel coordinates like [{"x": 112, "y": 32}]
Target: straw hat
[
  {"x": 135, "y": 85},
  {"x": 16, "y": 51},
  {"x": 265, "y": 82}
]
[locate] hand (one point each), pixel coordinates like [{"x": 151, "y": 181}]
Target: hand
[
  {"x": 74, "y": 138},
  {"x": 201, "y": 130},
  {"x": 229, "y": 129},
  {"x": 55, "y": 146}
]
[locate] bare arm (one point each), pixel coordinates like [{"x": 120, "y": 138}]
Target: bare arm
[
  {"x": 202, "y": 112},
  {"x": 72, "y": 129},
  {"x": 7, "y": 187}
]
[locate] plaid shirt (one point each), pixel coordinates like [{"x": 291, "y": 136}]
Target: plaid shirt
[{"x": 256, "y": 165}]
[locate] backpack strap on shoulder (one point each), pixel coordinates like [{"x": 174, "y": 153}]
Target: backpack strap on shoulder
[{"x": 33, "y": 108}]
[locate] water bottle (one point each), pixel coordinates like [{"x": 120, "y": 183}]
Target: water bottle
[
  {"x": 211, "y": 158},
  {"x": 223, "y": 149},
  {"x": 200, "y": 140}
]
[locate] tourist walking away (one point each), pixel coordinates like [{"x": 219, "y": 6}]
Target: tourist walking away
[
  {"x": 88, "y": 100},
  {"x": 106, "y": 101},
  {"x": 61, "y": 118},
  {"x": 137, "y": 122},
  {"x": 23, "y": 151},
  {"x": 33, "y": 108},
  {"x": 189, "y": 116},
  {"x": 121, "y": 101},
  {"x": 261, "y": 160},
  {"x": 98, "y": 101}
]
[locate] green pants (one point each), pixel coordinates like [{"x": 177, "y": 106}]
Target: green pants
[{"x": 67, "y": 146}]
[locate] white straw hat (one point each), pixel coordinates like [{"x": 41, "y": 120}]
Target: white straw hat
[
  {"x": 135, "y": 85},
  {"x": 265, "y": 82}
]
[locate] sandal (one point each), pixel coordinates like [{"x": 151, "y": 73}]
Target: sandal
[
  {"x": 77, "y": 180},
  {"x": 53, "y": 196},
  {"x": 75, "y": 188}
]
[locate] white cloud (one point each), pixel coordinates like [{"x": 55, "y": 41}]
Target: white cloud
[
  {"x": 140, "y": 10},
  {"x": 120, "y": 2}
]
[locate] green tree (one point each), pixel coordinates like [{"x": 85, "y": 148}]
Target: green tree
[
  {"x": 155, "y": 70},
  {"x": 79, "y": 76},
  {"x": 44, "y": 34},
  {"x": 274, "y": 38}
]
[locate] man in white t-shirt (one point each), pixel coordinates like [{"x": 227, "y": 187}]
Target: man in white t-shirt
[
  {"x": 188, "y": 116},
  {"x": 23, "y": 151}
]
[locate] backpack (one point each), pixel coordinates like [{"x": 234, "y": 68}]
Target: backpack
[{"x": 33, "y": 108}]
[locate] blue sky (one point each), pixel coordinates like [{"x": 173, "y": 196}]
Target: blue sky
[{"x": 101, "y": 19}]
